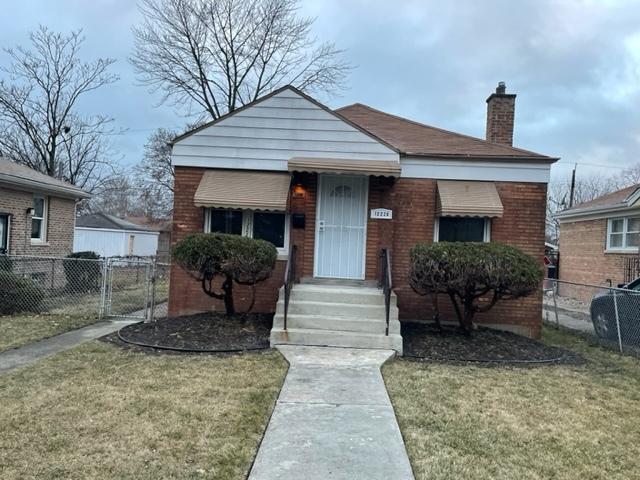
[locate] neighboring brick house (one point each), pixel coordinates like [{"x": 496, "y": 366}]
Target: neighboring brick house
[
  {"x": 600, "y": 241},
  {"x": 343, "y": 184},
  {"x": 37, "y": 212}
]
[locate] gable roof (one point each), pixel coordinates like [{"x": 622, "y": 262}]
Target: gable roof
[
  {"x": 111, "y": 222},
  {"x": 413, "y": 138},
  {"x": 402, "y": 135},
  {"x": 622, "y": 199},
  {"x": 272, "y": 94},
  {"x": 14, "y": 174}
]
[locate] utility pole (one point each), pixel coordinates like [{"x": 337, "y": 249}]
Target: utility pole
[{"x": 573, "y": 185}]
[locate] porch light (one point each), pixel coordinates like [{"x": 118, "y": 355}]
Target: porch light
[{"x": 299, "y": 191}]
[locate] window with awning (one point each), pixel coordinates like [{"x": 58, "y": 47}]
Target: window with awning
[
  {"x": 464, "y": 211},
  {"x": 242, "y": 189}
]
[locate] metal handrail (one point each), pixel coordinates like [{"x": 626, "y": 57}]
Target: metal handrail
[
  {"x": 289, "y": 280},
  {"x": 386, "y": 284}
]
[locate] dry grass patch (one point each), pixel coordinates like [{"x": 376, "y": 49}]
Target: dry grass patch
[
  {"x": 19, "y": 330},
  {"x": 556, "y": 422},
  {"x": 100, "y": 412}
]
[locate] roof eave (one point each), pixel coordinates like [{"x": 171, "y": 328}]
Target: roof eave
[
  {"x": 515, "y": 158},
  {"x": 58, "y": 190}
]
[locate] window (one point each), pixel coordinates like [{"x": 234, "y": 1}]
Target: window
[
  {"x": 4, "y": 234},
  {"x": 623, "y": 234},
  {"x": 462, "y": 229},
  {"x": 39, "y": 219},
  {"x": 269, "y": 226}
]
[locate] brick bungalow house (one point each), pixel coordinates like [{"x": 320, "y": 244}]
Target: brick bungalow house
[
  {"x": 37, "y": 212},
  {"x": 600, "y": 241},
  {"x": 341, "y": 185}
]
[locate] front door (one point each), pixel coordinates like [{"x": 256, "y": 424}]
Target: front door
[{"x": 341, "y": 223}]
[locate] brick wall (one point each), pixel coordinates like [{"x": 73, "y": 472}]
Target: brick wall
[
  {"x": 60, "y": 224},
  {"x": 583, "y": 258},
  {"x": 413, "y": 202},
  {"x": 185, "y": 295},
  {"x": 522, "y": 225}
]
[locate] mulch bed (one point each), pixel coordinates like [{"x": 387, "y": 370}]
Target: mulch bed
[
  {"x": 204, "y": 333},
  {"x": 486, "y": 347}
]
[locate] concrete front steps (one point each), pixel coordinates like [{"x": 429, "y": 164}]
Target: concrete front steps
[{"x": 336, "y": 315}]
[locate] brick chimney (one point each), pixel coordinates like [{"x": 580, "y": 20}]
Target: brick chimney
[{"x": 501, "y": 107}]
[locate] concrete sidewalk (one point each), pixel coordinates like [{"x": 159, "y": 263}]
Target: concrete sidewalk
[
  {"x": 19, "y": 357},
  {"x": 333, "y": 419}
]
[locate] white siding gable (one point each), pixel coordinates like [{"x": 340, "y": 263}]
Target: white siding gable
[{"x": 266, "y": 135}]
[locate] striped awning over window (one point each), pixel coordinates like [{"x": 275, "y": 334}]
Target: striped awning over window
[
  {"x": 385, "y": 168},
  {"x": 243, "y": 189},
  {"x": 458, "y": 198}
]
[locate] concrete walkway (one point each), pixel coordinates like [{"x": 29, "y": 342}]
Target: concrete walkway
[
  {"x": 333, "y": 420},
  {"x": 19, "y": 357}
]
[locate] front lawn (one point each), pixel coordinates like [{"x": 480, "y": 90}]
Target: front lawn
[
  {"x": 97, "y": 411},
  {"x": 21, "y": 329},
  {"x": 560, "y": 422}
]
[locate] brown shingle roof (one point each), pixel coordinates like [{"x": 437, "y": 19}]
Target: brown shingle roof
[
  {"x": 613, "y": 199},
  {"x": 413, "y": 138}
]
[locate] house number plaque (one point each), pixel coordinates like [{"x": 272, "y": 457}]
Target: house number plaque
[{"x": 382, "y": 213}]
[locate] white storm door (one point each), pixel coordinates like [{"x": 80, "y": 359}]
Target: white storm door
[{"x": 341, "y": 223}]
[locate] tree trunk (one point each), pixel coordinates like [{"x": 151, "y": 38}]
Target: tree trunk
[
  {"x": 436, "y": 311},
  {"x": 467, "y": 317},
  {"x": 227, "y": 287}
]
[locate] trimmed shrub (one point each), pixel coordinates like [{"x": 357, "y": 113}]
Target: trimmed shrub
[
  {"x": 209, "y": 257},
  {"x": 475, "y": 276},
  {"x": 18, "y": 294},
  {"x": 80, "y": 273}
]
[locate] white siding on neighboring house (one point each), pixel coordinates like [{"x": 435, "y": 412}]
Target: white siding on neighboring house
[
  {"x": 115, "y": 243},
  {"x": 266, "y": 135}
]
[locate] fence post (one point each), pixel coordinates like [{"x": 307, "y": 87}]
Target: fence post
[
  {"x": 152, "y": 305},
  {"x": 555, "y": 303},
  {"x": 103, "y": 289},
  {"x": 615, "y": 307}
]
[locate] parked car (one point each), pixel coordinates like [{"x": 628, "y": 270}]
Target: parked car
[{"x": 626, "y": 301}]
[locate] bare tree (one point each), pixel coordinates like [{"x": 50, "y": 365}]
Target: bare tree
[
  {"x": 117, "y": 196},
  {"x": 156, "y": 174},
  {"x": 631, "y": 176},
  {"x": 39, "y": 123},
  {"x": 215, "y": 56}
]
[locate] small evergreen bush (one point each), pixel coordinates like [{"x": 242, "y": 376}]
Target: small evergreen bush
[
  {"x": 475, "y": 276},
  {"x": 209, "y": 257}
]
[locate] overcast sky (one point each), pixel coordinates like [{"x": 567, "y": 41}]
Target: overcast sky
[{"x": 575, "y": 66}]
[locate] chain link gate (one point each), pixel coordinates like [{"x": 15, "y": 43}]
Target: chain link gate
[{"x": 128, "y": 288}]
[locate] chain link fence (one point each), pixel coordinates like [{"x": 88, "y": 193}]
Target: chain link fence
[
  {"x": 107, "y": 287},
  {"x": 609, "y": 315}
]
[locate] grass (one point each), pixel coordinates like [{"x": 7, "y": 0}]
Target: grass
[
  {"x": 99, "y": 412},
  {"x": 555, "y": 422},
  {"x": 21, "y": 329}
]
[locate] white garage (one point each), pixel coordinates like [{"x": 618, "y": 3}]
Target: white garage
[{"x": 110, "y": 236}]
